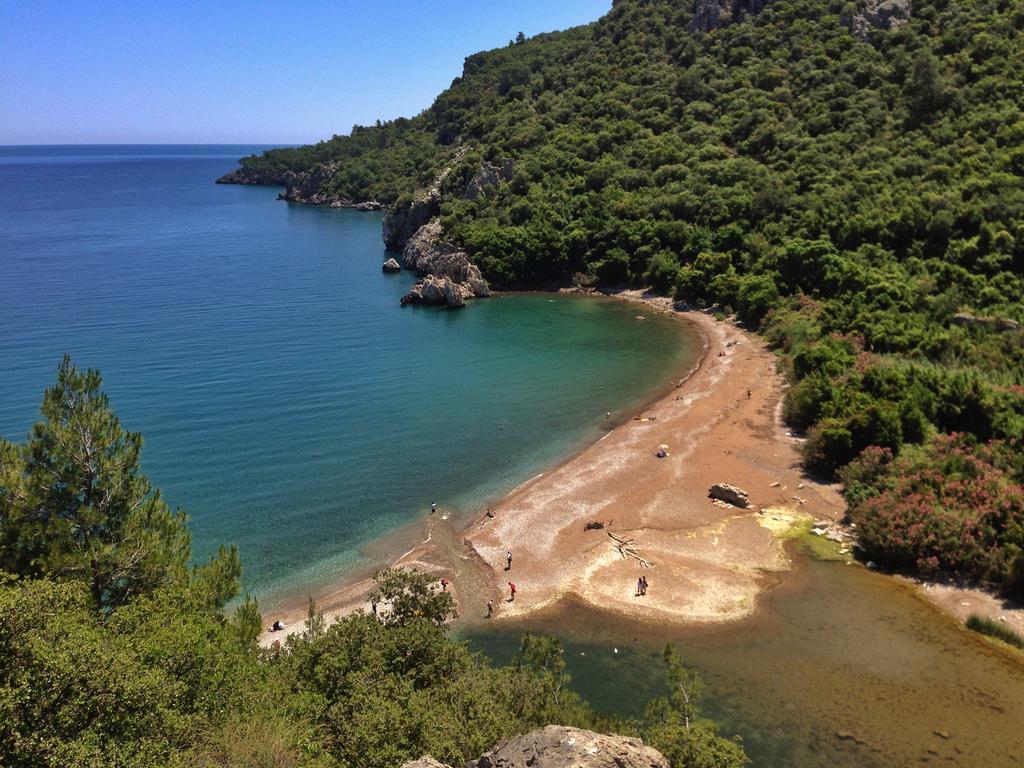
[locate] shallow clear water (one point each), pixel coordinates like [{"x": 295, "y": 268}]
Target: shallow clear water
[
  {"x": 844, "y": 668},
  {"x": 288, "y": 403}
]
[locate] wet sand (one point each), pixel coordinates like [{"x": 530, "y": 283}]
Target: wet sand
[{"x": 709, "y": 561}]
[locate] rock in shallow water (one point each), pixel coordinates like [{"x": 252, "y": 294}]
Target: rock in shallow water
[
  {"x": 449, "y": 277},
  {"x": 437, "y": 290},
  {"x": 391, "y": 266}
]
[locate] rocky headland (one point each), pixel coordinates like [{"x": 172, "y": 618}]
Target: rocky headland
[
  {"x": 447, "y": 276},
  {"x": 302, "y": 186}
]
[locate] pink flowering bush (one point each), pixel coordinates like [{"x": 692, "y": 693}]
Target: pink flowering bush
[{"x": 952, "y": 506}]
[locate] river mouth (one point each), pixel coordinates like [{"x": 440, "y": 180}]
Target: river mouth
[{"x": 841, "y": 667}]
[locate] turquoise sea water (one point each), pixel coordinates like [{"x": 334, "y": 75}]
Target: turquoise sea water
[{"x": 288, "y": 403}]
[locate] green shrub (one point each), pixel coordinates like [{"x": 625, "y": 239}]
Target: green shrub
[{"x": 992, "y": 628}]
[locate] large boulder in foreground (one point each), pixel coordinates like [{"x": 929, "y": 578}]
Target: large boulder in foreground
[
  {"x": 557, "y": 746},
  {"x": 424, "y": 762}
]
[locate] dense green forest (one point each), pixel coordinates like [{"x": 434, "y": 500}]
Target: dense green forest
[
  {"x": 115, "y": 651},
  {"x": 856, "y": 197}
]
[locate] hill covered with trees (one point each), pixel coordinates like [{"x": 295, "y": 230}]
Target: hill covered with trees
[{"x": 846, "y": 177}]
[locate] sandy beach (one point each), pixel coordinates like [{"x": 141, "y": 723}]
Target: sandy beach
[{"x": 709, "y": 561}]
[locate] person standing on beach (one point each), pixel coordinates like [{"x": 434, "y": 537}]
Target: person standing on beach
[
  {"x": 512, "y": 587},
  {"x": 508, "y": 560},
  {"x": 643, "y": 586},
  {"x": 639, "y": 586},
  {"x": 433, "y": 508},
  {"x": 490, "y": 608}
]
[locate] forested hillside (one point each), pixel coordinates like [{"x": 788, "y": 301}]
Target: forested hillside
[{"x": 846, "y": 177}]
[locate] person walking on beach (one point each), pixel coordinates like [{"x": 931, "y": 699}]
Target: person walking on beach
[
  {"x": 508, "y": 560},
  {"x": 490, "y": 608},
  {"x": 433, "y": 508},
  {"x": 643, "y": 586},
  {"x": 512, "y": 587}
]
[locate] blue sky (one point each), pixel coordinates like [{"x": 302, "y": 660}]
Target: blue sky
[{"x": 81, "y": 71}]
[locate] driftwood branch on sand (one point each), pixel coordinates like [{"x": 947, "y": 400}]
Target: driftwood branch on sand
[{"x": 627, "y": 548}]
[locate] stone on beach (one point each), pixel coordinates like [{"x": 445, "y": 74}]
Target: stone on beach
[{"x": 730, "y": 494}]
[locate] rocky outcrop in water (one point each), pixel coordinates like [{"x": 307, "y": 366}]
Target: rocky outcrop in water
[
  {"x": 301, "y": 187},
  {"x": 369, "y": 205},
  {"x": 436, "y": 290},
  {"x": 557, "y": 746},
  {"x": 449, "y": 277},
  {"x": 876, "y": 14},
  {"x": 243, "y": 176},
  {"x": 391, "y": 266},
  {"x": 306, "y": 187},
  {"x": 713, "y": 14}
]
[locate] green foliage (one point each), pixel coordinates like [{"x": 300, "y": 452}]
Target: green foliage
[
  {"x": 674, "y": 726},
  {"x": 951, "y": 506},
  {"x": 412, "y": 596},
  {"x": 136, "y": 688},
  {"x": 859, "y": 201},
  {"x": 387, "y": 693},
  {"x": 74, "y": 504},
  {"x": 993, "y": 628}
]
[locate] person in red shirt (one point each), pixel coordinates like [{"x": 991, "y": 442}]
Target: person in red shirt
[{"x": 512, "y": 587}]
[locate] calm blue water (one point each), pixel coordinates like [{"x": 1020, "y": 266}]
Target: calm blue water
[{"x": 288, "y": 403}]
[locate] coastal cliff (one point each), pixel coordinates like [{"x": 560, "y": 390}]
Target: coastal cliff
[{"x": 301, "y": 186}]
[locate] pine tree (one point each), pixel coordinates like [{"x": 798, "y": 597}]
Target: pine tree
[{"x": 74, "y": 505}]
